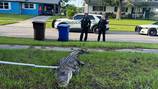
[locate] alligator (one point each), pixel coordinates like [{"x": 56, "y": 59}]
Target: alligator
[
  {"x": 69, "y": 66},
  {"x": 65, "y": 69}
]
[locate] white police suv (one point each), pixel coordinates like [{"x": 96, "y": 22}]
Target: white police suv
[
  {"x": 75, "y": 22},
  {"x": 151, "y": 29}
]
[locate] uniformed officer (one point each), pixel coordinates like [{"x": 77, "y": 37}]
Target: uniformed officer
[
  {"x": 107, "y": 25},
  {"x": 85, "y": 26},
  {"x": 102, "y": 27}
]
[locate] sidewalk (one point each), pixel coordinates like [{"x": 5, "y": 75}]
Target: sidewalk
[
  {"x": 69, "y": 49},
  {"x": 28, "y": 23}
]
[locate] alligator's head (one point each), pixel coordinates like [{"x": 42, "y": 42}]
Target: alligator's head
[
  {"x": 79, "y": 51},
  {"x": 63, "y": 77}
]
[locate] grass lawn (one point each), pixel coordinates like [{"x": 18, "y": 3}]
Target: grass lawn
[
  {"x": 92, "y": 44},
  {"x": 115, "y": 25},
  {"x": 127, "y": 24},
  {"x": 106, "y": 70},
  {"x": 10, "y": 18}
]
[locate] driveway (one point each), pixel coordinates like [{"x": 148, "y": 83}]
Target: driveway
[
  {"x": 27, "y": 32},
  {"x": 28, "y": 23}
]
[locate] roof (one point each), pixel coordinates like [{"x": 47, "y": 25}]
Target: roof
[
  {"x": 145, "y": 3},
  {"x": 95, "y": 2},
  {"x": 134, "y": 2},
  {"x": 38, "y": 1}
]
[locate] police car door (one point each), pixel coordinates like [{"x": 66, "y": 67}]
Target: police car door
[
  {"x": 93, "y": 21},
  {"x": 76, "y": 23}
]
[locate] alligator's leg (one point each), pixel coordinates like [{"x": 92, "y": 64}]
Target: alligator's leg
[{"x": 80, "y": 62}]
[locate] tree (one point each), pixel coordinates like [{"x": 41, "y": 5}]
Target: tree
[
  {"x": 119, "y": 8},
  {"x": 70, "y": 10},
  {"x": 64, "y": 6},
  {"x": 119, "y": 4},
  {"x": 65, "y": 1}
]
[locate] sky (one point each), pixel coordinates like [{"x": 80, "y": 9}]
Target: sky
[{"x": 77, "y": 3}]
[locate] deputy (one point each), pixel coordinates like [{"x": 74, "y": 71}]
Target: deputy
[
  {"x": 85, "y": 26},
  {"x": 102, "y": 27}
]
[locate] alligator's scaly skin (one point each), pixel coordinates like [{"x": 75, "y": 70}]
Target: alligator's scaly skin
[{"x": 68, "y": 66}]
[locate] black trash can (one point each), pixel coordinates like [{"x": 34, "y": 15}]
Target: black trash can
[{"x": 39, "y": 30}]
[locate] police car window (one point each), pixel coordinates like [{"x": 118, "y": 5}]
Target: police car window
[
  {"x": 91, "y": 17},
  {"x": 99, "y": 17},
  {"x": 78, "y": 17}
]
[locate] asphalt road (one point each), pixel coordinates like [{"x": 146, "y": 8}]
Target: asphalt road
[{"x": 27, "y": 32}]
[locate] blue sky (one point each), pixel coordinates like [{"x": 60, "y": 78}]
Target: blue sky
[{"x": 77, "y": 3}]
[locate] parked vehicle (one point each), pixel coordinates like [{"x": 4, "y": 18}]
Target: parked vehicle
[
  {"x": 151, "y": 29},
  {"x": 75, "y": 22}
]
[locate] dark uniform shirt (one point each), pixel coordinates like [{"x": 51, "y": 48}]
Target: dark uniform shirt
[
  {"x": 102, "y": 24},
  {"x": 85, "y": 22}
]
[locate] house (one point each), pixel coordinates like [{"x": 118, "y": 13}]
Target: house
[
  {"x": 100, "y": 7},
  {"x": 30, "y": 7},
  {"x": 137, "y": 9},
  {"x": 146, "y": 9}
]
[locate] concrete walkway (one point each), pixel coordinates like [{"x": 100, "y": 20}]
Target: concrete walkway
[
  {"x": 68, "y": 49},
  {"x": 28, "y": 23}
]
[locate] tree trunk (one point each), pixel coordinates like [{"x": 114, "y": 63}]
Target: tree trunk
[{"x": 119, "y": 10}]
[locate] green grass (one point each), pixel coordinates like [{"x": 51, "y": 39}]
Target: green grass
[
  {"x": 91, "y": 44},
  {"x": 11, "y": 18},
  {"x": 106, "y": 70},
  {"x": 127, "y": 24},
  {"x": 115, "y": 25}
]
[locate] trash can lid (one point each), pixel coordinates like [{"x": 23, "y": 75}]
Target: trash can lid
[
  {"x": 63, "y": 25},
  {"x": 38, "y": 21}
]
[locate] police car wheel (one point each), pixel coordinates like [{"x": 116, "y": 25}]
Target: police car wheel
[
  {"x": 95, "y": 29},
  {"x": 152, "y": 32},
  {"x": 53, "y": 23}
]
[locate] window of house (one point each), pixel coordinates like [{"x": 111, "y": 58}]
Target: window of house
[
  {"x": 94, "y": 8},
  {"x": 104, "y": 8},
  {"x": 126, "y": 9},
  {"x": 29, "y": 6},
  {"x": 115, "y": 9},
  {"x": 99, "y": 8},
  {"x": 4, "y": 5}
]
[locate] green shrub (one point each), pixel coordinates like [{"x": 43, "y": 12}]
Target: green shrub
[{"x": 70, "y": 13}]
